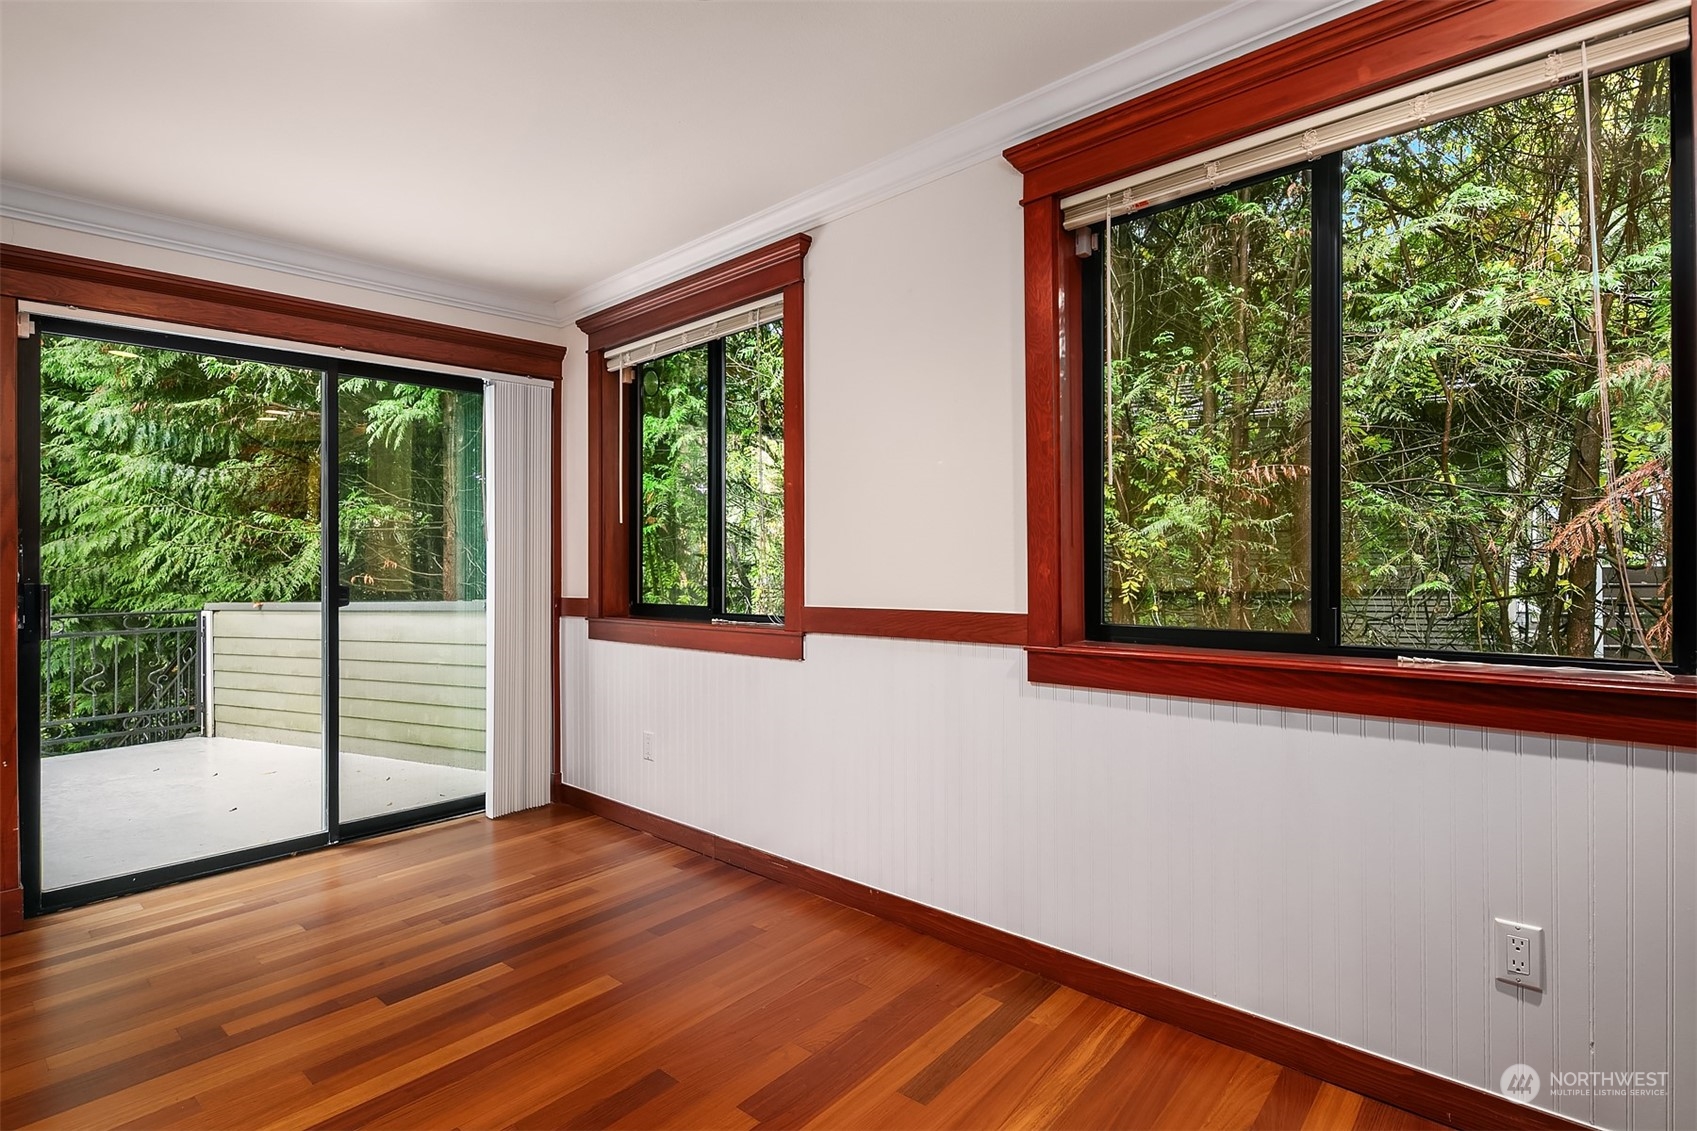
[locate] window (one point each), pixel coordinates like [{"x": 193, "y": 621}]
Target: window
[
  {"x": 1355, "y": 405},
  {"x": 695, "y": 408},
  {"x": 708, "y": 490},
  {"x": 1205, "y": 414},
  {"x": 1312, "y": 411}
]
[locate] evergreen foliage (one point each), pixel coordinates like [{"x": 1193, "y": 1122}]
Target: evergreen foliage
[
  {"x": 673, "y": 394},
  {"x": 170, "y": 480},
  {"x": 1477, "y": 510}
]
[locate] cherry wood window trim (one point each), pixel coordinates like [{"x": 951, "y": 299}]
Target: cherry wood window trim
[
  {"x": 1599, "y": 704},
  {"x": 1427, "y": 1094},
  {"x": 776, "y": 269},
  {"x": 1374, "y": 49},
  {"x": 1392, "y": 42},
  {"x": 110, "y": 288}
]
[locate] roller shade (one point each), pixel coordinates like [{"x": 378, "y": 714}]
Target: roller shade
[
  {"x": 1619, "y": 41},
  {"x": 728, "y": 322}
]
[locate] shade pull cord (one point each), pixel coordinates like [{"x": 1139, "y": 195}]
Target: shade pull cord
[
  {"x": 1606, "y": 460},
  {"x": 1108, "y": 334},
  {"x": 1109, "y": 327},
  {"x": 619, "y": 391}
]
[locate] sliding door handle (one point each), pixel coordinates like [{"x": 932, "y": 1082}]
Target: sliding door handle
[
  {"x": 344, "y": 596},
  {"x": 35, "y": 609}
]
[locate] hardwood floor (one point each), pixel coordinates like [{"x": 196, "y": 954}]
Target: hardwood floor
[{"x": 555, "y": 970}]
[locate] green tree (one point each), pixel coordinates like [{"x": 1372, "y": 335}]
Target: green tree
[
  {"x": 173, "y": 479},
  {"x": 1472, "y": 433},
  {"x": 1207, "y": 426}
]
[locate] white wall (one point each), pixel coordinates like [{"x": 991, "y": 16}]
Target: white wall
[
  {"x": 915, "y": 404},
  {"x": 1332, "y": 872},
  {"x": 916, "y": 400}
]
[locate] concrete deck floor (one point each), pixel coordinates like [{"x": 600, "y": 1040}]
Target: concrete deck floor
[{"x": 113, "y": 812}]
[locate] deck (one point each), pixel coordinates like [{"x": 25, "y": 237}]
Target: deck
[{"x": 122, "y": 810}]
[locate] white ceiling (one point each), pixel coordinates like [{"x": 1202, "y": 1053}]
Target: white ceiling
[{"x": 531, "y": 148}]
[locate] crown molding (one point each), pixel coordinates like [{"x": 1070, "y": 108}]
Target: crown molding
[
  {"x": 1234, "y": 30},
  {"x": 152, "y": 229}
]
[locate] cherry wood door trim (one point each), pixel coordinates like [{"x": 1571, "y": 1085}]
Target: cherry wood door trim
[
  {"x": 575, "y": 607},
  {"x": 917, "y": 624},
  {"x": 1603, "y": 705},
  {"x": 11, "y": 863},
  {"x": 771, "y": 641},
  {"x": 30, "y": 274},
  {"x": 765, "y": 271},
  {"x": 110, "y": 288},
  {"x": 1379, "y": 47},
  {"x": 1413, "y": 1089}
]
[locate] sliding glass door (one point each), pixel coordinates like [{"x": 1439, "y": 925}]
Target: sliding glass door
[
  {"x": 189, "y": 701},
  {"x": 412, "y": 629}
]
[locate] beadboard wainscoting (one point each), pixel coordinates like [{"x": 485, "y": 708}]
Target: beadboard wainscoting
[{"x": 1331, "y": 872}]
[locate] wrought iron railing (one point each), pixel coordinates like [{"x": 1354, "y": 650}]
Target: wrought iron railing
[{"x": 117, "y": 679}]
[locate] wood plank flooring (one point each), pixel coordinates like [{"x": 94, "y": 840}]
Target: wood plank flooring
[{"x": 555, "y": 970}]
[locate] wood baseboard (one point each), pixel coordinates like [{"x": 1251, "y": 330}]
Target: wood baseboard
[
  {"x": 11, "y": 910},
  {"x": 1424, "y": 1093}
]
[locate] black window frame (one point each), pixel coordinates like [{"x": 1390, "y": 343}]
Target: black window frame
[
  {"x": 331, "y": 371},
  {"x": 714, "y": 611},
  {"x": 1324, "y": 636}
]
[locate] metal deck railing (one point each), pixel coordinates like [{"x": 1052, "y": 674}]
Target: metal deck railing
[{"x": 118, "y": 679}]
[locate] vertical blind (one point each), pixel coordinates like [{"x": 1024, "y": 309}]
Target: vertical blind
[{"x": 518, "y": 494}]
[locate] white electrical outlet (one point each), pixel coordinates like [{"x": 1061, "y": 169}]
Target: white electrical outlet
[
  {"x": 1517, "y": 949},
  {"x": 648, "y": 746}
]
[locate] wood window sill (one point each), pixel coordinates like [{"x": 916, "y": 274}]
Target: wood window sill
[
  {"x": 738, "y": 639},
  {"x": 1613, "y": 706}
]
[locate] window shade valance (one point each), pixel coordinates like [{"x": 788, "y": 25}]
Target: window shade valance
[
  {"x": 1621, "y": 40},
  {"x": 706, "y": 330}
]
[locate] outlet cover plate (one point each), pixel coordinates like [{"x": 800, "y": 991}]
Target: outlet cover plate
[{"x": 1517, "y": 954}]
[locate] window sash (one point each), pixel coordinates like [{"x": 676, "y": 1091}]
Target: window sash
[
  {"x": 1326, "y": 525},
  {"x": 1325, "y": 324},
  {"x": 717, "y": 443}
]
